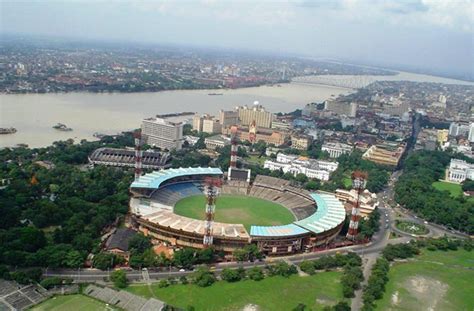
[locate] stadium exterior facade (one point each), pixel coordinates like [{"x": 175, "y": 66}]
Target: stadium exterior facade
[{"x": 319, "y": 216}]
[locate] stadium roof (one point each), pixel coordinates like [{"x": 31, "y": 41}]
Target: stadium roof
[
  {"x": 155, "y": 179},
  {"x": 330, "y": 214},
  {"x": 276, "y": 231}
]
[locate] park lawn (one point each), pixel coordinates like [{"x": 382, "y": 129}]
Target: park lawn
[
  {"x": 72, "y": 303},
  {"x": 272, "y": 293},
  {"x": 257, "y": 160},
  {"x": 454, "y": 189},
  {"x": 237, "y": 210},
  {"x": 434, "y": 280}
]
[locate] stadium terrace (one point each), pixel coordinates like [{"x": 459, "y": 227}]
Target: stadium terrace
[{"x": 318, "y": 216}]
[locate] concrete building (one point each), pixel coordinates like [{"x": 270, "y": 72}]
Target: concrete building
[
  {"x": 228, "y": 118},
  {"x": 336, "y": 149},
  {"x": 211, "y": 126},
  {"x": 280, "y": 125},
  {"x": 301, "y": 165},
  {"x": 216, "y": 141},
  {"x": 442, "y": 136},
  {"x": 197, "y": 123},
  {"x": 460, "y": 170},
  {"x": 341, "y": 108},
  {"x": 471, "y": 133},
  {"x": 368, "y": 201},
  {"x": 256, "y": 113},
  {"x": 267, "y": 135},
  {"x": 385, "y": 154},
  {"x": 459, "y": 129},
  {"x": 301, "y": 142},
  {"x": 162, "y": 133}
]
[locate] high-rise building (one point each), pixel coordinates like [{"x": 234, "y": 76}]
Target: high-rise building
[
  {"x": 162, "y": 133},
  {"x": 211, "y": 126},
  {"x": 197, "y": 123},
  {"x": 471, "y": 133},
  {"x": 228, "y": 118},
  {"x": 256, "y": 113}
]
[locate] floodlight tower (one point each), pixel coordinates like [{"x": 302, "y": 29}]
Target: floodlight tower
[
  {"x": 138, "y": 154},
  {"x": 233, "y": 147},
  {"x": 359, "y": 180},
  {"x": 211, "y": 191}
]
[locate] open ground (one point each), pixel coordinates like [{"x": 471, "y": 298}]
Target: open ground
[
  {"x": 238, "y": 210},
  {"x": 272, "y": 293},
  {"x": 72, "y": 303},
  {"x": 435, "y": 280}
]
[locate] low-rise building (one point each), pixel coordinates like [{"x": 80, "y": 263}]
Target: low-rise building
[
  {"x": 335, "y": 149},
  {"x": 216, "y": 141},
  {"x": 301, "y": 142},
  {"x": 368, "y": 201},
  {"x": 460, "y": 170},
  {"x": 385, "y": 154},
  {"x": 295, "y": 165}
]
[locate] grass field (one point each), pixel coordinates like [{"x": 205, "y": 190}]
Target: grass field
[
  {"x": 454, "y": 189},
  {"x": 274, "y": 293},
  {"x": 433, "y": 281},
  {"x": 72, "y": 303},
  {"x": 238, "y": 210}
]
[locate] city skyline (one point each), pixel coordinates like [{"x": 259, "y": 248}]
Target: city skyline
[{"x": 430, "y": 36}]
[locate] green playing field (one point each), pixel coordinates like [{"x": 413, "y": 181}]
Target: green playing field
[
  {"x": 72, "y": 303},
  {"x": 237, "y": 210}
]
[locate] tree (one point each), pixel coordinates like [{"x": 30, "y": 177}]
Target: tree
[
  {"x": 230, "y": 275},
  {"x": 184, "y": 258},
  {"x": 119, "y": 277},
  {"x": 74, "y": 259},
  {"x": 203, "y": 277},
  {"x": 256, "y": 274},
  {"x": 302, "y": 178},
  {"x": 205, "y": 255},
  {"x": 163, "y": 283},
  {"x": 103, "y": 261},
  {"x": 139, "y": 243},
  {"x": 307, "y": 267}
]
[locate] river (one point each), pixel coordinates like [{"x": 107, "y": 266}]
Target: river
[{"x": 33, "y": 115}]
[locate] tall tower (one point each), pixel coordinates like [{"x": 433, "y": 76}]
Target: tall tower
[
  {"x": 359, "y": 180},
  {"x": 211, "y": 191},
  {"x": 138, "y": 154},
  {"x": 233, "y": 147}
]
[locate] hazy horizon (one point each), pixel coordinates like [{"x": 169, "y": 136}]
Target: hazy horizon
[{"x": 426, "y": 35}]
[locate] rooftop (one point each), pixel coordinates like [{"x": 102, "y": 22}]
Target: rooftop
[
  {"x": 330, "y": 214},
  {"x": 155, "y": 179},
  {"x": 276, "y": 231}
]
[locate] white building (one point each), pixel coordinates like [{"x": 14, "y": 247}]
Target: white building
[
  {"x": 216, "y": 141},
  {"x": 336, "y": 149},
  {"x": 460, "y": 170},
  {"x": 299, "y": 165},
  {"x": 471, "y": 133},
  {"x": 162, "y": 133}
]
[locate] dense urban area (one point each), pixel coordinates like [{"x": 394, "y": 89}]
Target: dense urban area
[
  {"x": 352, "y": 203},
  {"x": 40, "y": 66}
]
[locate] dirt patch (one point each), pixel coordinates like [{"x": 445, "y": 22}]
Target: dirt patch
[
  {"x": 427, "y": 291},
  {"x": 251, "y": 307},
  {"x": 325, "y": 300},
  {"x": 395, "y": 299}
]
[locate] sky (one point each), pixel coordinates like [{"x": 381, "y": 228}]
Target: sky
[{"x": 431, "y": 35}]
